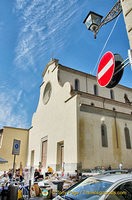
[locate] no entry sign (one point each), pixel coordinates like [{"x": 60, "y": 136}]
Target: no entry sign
[
  {"x": 105, "y": 69},
  {"x": 106, "y": 75}
]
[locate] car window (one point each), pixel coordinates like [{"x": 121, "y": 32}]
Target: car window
[
  {"x": 122, "y": 192},
  {"x": 90, "y": 188}
]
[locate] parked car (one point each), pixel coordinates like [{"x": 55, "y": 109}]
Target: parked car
[
  {"x": 102, "y": 187},
  {"x": 122, "y": 171}
]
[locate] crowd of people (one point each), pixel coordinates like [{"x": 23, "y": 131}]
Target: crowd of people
[
  {"x": 9, "y": 176},
  {"x": 38, "y": 175},
  {"x": 18, "y": 175}
]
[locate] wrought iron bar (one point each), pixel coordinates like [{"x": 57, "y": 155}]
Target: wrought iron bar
[{"x": 114, "y": 12}]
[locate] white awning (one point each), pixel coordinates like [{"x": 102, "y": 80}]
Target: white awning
[{"x": 3, "y": 160}]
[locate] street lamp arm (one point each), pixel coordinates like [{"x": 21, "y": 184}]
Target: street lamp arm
[{"x": 114, "y": 12}]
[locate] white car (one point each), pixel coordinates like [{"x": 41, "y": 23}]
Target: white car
[{"x": 102, "y": 187}]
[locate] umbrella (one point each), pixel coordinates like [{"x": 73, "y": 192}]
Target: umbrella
[{"x": 3, "y": 160}]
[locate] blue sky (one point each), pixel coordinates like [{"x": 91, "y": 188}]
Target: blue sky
[{"x": 33, "y": 31}]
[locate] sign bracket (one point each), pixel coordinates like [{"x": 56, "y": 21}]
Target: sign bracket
[{"x": 123, "y": 65}]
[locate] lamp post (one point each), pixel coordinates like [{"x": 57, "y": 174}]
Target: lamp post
[{"x": 93, "y": 20}]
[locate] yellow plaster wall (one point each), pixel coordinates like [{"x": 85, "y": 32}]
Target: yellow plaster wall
[
  {"x": 91, "y": 152},
  {"x": 8, "y": 136}
]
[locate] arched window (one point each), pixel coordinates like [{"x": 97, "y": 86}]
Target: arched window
[
  {"x": 77, "y": 84},
  {"x": 112, "y": 94},
  {"x": 95, "y": 90},
  {"x": 104, "y": 135},
  {"x": 127, "y": 138}
]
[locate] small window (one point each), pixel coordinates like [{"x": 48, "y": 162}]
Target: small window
[
  {"x": 47, "y": 93},
  {"x": 122, "y": 192},
  {"x": 127, "y": 138},
  {"x": 104, "y": 135},
  {"x": 77, "y": 85},
  {"x": 95, "y": 90},
  {"x": 112, "y": 94}
]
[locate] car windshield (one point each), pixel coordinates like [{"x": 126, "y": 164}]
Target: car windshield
[{"x": 91, "y": 189}]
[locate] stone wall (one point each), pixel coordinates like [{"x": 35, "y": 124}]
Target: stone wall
[{"x": 127, "y": 12}]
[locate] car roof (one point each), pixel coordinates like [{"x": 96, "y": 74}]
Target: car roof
[
  {"x": 113, "y": 177},
  {"x": 115, "y": 171}
]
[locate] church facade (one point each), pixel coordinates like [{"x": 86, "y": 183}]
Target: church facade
[{"x": 79, "y": 125}]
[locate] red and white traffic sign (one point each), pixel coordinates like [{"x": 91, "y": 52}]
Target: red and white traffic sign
[{"x": 106, "y": 69}]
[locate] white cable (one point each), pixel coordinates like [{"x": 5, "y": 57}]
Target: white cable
[{"x": 106, "y": 43}]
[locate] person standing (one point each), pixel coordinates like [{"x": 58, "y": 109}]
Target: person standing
[
  {"x": 36, "y": 175},
  {"x": 79, "y": 175},
  {"x": 109, "y": 168},
  {"x": 120, "y": 166},
  {"x": 10, "y": 174}
]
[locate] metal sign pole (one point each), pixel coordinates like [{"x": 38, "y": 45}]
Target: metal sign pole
[
  {"x": 14, "y": 164},
  {"x": 29, "y": 188},
  {"x": 15, "y": 151}
]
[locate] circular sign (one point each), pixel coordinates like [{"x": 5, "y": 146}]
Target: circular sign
[
  {"x": 106, "y": 69},
  {"x": 16, "y": 146},
  {"x": 44, "y": 193},
  {"x": 110, "y": 70}
]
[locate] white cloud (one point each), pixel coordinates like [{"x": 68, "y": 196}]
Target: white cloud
[
  {"x": 9, "y": 116},
  {"x": 20, "y": 4},
  {"x": 44, "y": 26},
  {"x": 19, "y": 96}
]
